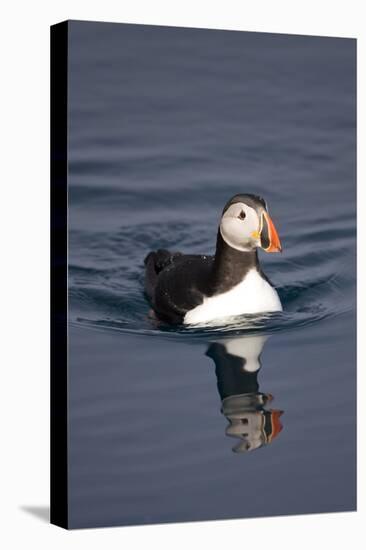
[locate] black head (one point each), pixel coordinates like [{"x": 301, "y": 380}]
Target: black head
[{"x": 254, "y": 201}]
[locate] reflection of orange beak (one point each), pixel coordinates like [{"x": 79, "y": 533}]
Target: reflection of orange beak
[
  {"x": 269, "y": 236},
  {"x": 276, "y": 423}
]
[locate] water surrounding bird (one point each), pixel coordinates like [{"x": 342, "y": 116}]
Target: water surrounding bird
[{"x": 195, "y": 289}]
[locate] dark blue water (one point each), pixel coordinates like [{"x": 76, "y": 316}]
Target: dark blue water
[{"x": 165, "y": 126}]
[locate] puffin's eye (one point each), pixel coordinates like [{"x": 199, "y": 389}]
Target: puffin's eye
[{"x": 242, "y": 215}]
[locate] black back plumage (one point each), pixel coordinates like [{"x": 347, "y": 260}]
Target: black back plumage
[{"x": 175, "y": 283}]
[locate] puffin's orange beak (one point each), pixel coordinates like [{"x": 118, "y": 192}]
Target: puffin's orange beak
[{"x": 270, "y": 240}]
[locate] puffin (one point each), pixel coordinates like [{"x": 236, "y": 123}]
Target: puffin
[{"x": 193, "y": 289}]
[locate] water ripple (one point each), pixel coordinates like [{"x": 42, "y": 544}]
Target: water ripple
[{"x": 313, "y": 279}]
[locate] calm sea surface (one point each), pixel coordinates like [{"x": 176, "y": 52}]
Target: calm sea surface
[{"x": 165, "y": 126}]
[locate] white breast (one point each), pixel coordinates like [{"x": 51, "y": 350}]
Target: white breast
[
  {"x": 252, "y": 295},
  {"x": 246, "y": 347}
]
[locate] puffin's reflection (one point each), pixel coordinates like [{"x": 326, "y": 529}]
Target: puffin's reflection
[{"x": 237, "y": 363}]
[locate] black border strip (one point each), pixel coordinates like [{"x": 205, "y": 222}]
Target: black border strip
[{"x": 59, "y": 448}]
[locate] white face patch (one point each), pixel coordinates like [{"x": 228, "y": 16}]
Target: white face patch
[{"x": 239, "y": 227}]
